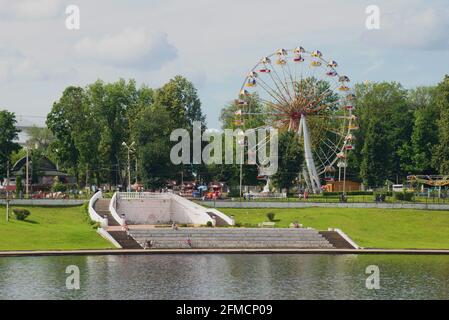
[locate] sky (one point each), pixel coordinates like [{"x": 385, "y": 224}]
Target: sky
[{"x": 212, "y": 43}]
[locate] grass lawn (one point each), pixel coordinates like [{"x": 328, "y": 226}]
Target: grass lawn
[
  {"x": 370, "y": 228},
  {"x": 49, "y": 229}
]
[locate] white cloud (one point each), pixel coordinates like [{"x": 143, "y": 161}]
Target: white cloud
[
  {"x": 16, "y": 66},
  {"x": 412, "y": 28},
  {"x": 31, "y": 9},
  {"x": 135, "y": 48}
]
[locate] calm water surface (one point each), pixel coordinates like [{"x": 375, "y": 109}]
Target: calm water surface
[{"x": 226, "y": 277}]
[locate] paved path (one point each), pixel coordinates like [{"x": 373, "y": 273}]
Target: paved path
[{"x": 220, "y": 251}]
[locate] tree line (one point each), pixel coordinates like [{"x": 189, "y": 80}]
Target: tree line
[{"x": 401, "y": 132}]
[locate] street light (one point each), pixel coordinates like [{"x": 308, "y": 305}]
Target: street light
[
  {"x": 130, "y": 148},
  {"x": 241, "y": 142}
]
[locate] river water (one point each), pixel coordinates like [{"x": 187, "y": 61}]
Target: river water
[{"x": 240, "y": 276}]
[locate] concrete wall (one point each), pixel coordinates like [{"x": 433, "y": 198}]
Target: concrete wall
[
  {"x": 164, "y": 208},
  {"x": 255, "y": 204},
  {"x": 145, "y": 211}
]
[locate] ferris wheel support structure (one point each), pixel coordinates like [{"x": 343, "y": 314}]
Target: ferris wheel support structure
[{"x": 313, "y": 177}]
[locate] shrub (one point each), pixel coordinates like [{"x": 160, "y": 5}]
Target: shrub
[
  {"x": 271, "y": 215},
  {"x": 404, "y": 196},
  {"x": 209, "y": 224},
  {"x": 59, "y": 187},
  {"x": 349, "y": 193},
  {"x": 20, "y": 213},
  {"x": 381, "y": 196}
]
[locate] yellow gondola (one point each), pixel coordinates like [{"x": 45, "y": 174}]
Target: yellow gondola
[
  {"x": 281, "y": 61},
  {"x": 316, "y": 54},
  {"x": 315, "y": 63},
  {"x": 251, "y": 82},
  {"x": 343, "y": 88}
]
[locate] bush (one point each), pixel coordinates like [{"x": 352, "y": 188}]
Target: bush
[
  {"x": 209, "y": 224},
  {"x": 404, "y": 196},
  {"x": 381, "y": 196},
  {"x": 59, "y": 187},
  {"x": 349, "y": 193},
  {"x": 20, "y": 213},
  {"x": 270, "y": 216}
]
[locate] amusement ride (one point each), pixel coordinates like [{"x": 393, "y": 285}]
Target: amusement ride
[{"x": 301, "y": 91}]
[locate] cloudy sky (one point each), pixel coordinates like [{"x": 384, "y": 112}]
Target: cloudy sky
[{"x": 211, "y": 42}]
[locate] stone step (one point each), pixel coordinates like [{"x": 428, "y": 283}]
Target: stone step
[
  {"x": 237, "y": 244},
  {"x": 226, "y": 236},
  {"x": 126, "y": 242}
]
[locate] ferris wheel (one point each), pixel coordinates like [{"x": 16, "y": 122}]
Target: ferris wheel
[{"x": 301, "y": 91}]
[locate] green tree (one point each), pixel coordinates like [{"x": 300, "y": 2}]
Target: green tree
[
  {"x": 59, "y": 121},
  {"x": 8, "y": 136},
  {"x": 40, "y": 138},
  {"x": 441, "y": 151},
  {"x": 110, "y": 104},
  {"x": 19, "y": 186},
  {"x": 425, "y": 129},
  {"x": 291, "y": 158},
  {"x": 385, "y": 105},
  {"x": 376, "y": 155},
  {"x": 180, "y": 97},
  {"x": 154, "y": 153}
]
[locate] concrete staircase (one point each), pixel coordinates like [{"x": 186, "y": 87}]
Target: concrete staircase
[
  {"x": 125, "y": 241},
  {"x": 336, "y": 240},
  {"x": 101, "y": 206},
  {"x": 222, "y": 238}
]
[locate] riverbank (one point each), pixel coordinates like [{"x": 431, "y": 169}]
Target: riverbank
[{"x": 122, "y": 252}]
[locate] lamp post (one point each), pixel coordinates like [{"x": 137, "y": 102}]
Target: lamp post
[
  {"x": 130, "y": 148},
  {"x": 7, "y": 191},
  {"x": 241, "y": 142},
  {"x": 27, "y": 173}
]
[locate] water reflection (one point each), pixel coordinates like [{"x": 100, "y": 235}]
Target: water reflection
[{"x": 226, "y": 277}]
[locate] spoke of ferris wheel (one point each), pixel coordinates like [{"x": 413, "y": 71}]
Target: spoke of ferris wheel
[
  {"x": 318, "y": 99},
  {"x": 263, "y": 142},
  {"x": 279, "y": 91},
  {"x": 319, "y": 157},
  {"x": 328, "y": 161},
  {"x": 275, "y": 95},
  {"x": 335, "y": 150},
  {"x": 330, "y": 117},
  {"x": 278, "y": 80},
  {"x": 289, "y": 74}
]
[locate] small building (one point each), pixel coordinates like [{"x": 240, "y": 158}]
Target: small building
[
  {"x": 337, "y": 186},
  {"x": 44, "y": 171}
]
